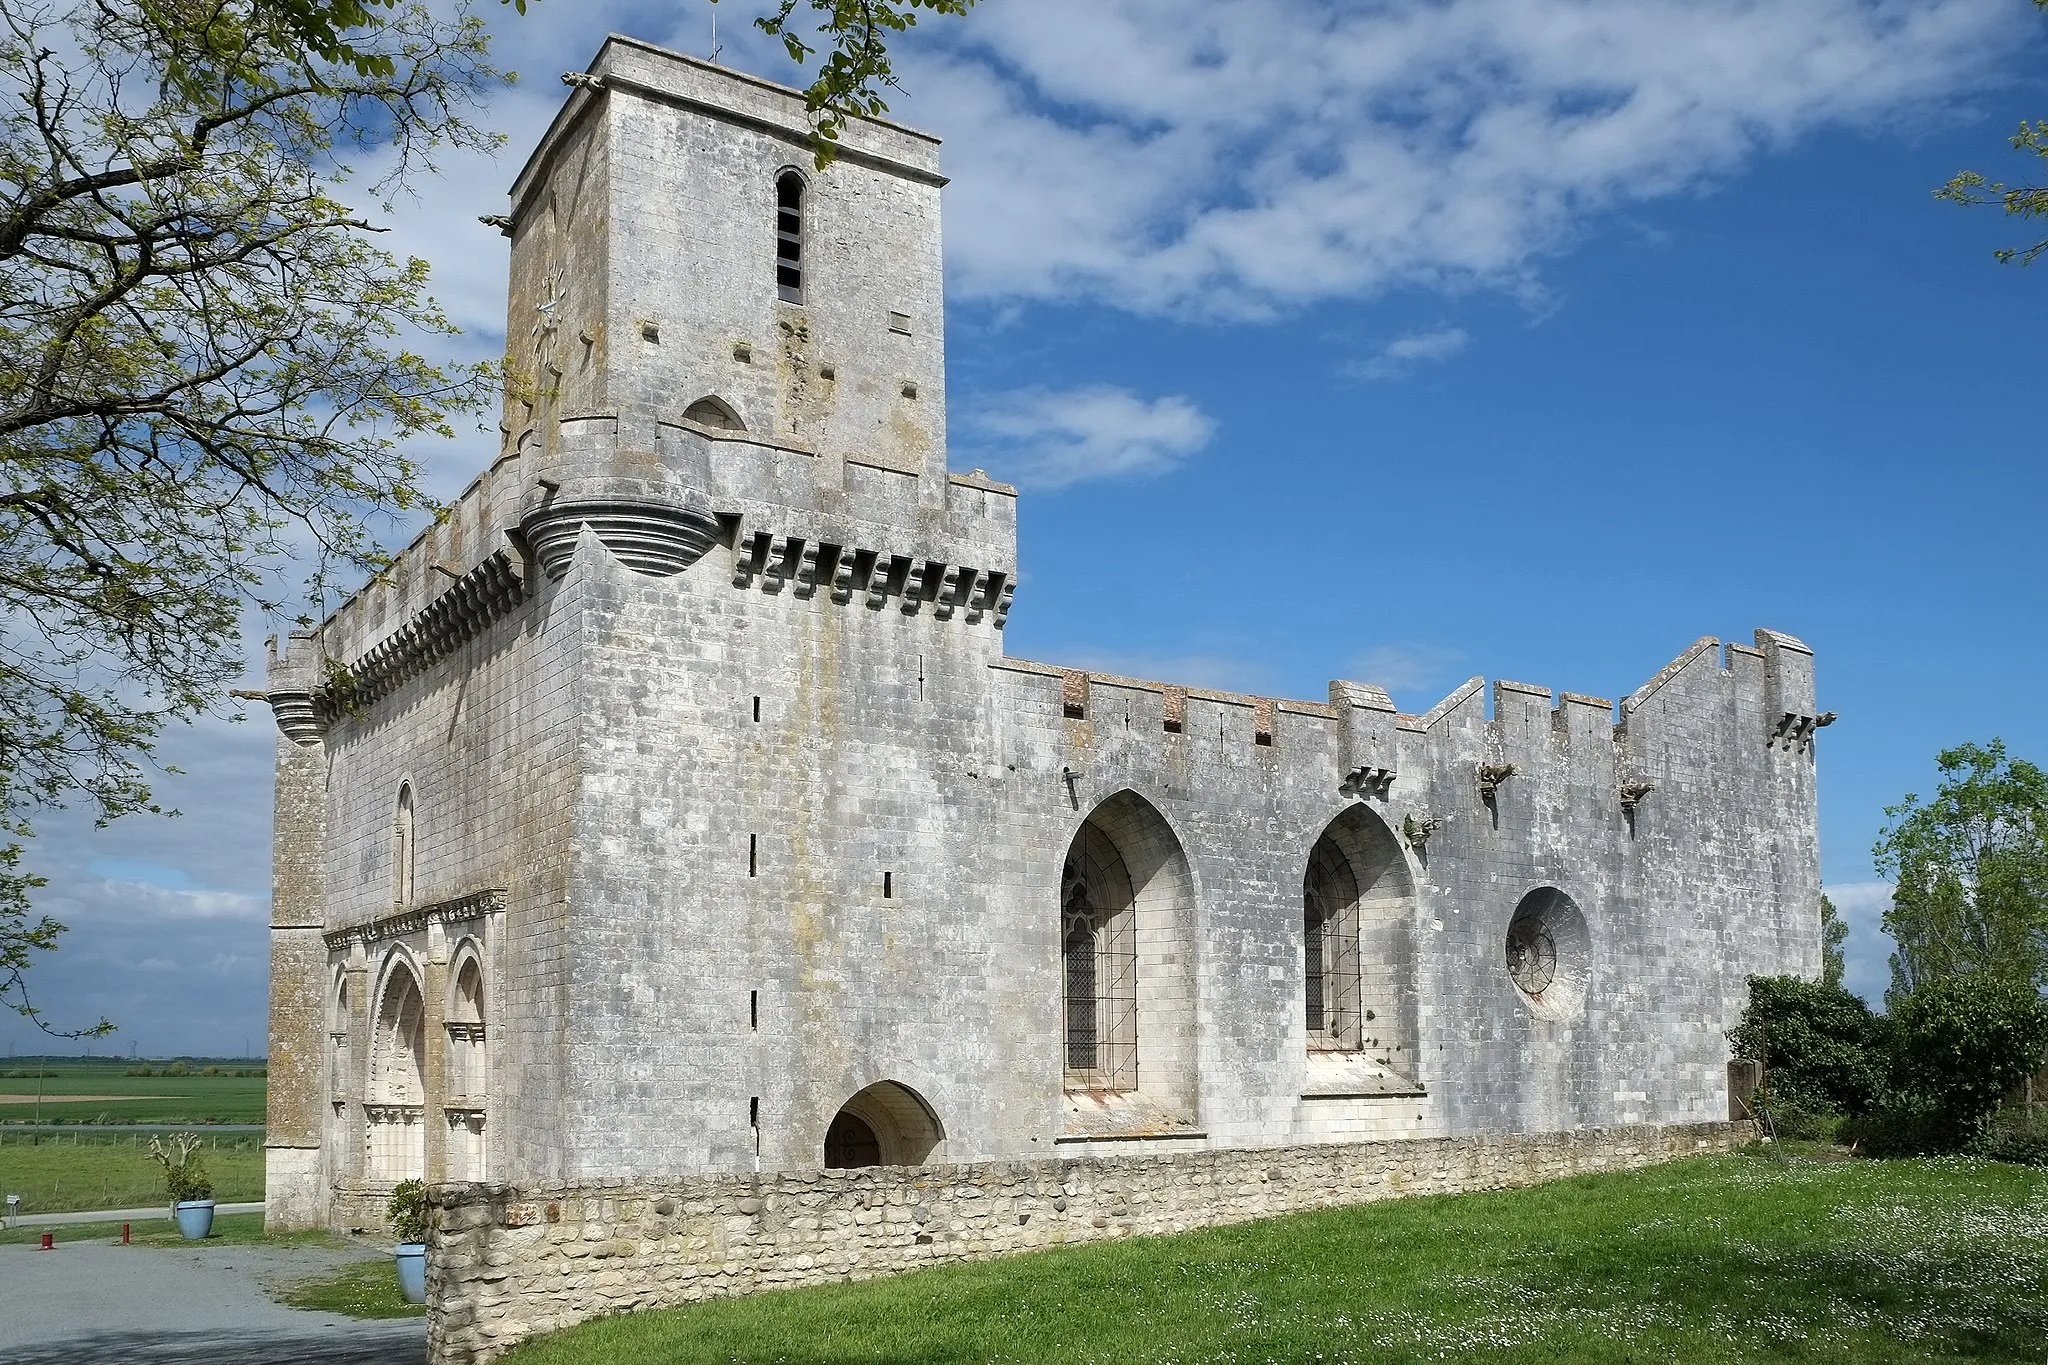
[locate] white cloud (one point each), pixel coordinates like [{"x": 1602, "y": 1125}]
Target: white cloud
[
  {"x": 1049, "y": 438},
  {"x": 1404, "y": 353},
  {"x": 1245, "y": 156},
  {"x": 1867, "y": 954}
]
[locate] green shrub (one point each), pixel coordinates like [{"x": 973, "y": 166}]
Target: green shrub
[
  {"x": 2019, "y": 1135},
  {"x": 185, "y": 1175},
  {"x": 177, "y": 1069},
  {"x": 408, "y": 1211},
  {"x": 1961, "y": 1045},
  {"x": 1789, "y": 1118},
  {"x": 1823, "y": 1050}
]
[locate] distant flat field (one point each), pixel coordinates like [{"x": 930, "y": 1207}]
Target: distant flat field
[
  {"x": 63, "y": 1172},
  {"x": 102, "y": 1092}
]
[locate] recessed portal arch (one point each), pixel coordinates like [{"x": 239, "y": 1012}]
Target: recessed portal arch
[
  {"x": 1358, "y": 961},
  {"x": 395, "y": 1107},
  {"x": 885, "y": 1124}
]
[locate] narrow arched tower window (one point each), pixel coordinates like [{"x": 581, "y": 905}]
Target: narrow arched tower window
[
  {"x": 402, "y": 848},
  {"x": 789, "y": 236}
]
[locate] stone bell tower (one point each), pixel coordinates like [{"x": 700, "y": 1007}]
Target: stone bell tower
[{"x": 680, "y": 264}]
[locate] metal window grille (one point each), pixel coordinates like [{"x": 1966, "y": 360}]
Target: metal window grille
[
  {"x": 1331, "y": 989},
  {"x": 789, "y": 237},
  {"x": 1099, "y": 949}
]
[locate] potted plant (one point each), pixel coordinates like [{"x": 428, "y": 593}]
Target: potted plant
[
  {"x": 408, "y": 1213},
  {"x": 186, "y": 1181}
]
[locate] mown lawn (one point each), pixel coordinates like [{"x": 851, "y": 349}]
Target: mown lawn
[
  {"x": 236, "y": 1229},
  {"x": 64, "y": 1172},
  {"x": 1753, "y": 1256},
  {"x": 103, "y": 1092},
  {"x": 362, "y": 1289}
]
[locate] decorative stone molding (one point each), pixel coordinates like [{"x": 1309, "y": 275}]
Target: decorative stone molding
[
  {"x": 652, "y": 538},
  {"x": 411, "y": 920},
  {"x": 302, "y": 716},
  {"x": 471, "y": 604}
]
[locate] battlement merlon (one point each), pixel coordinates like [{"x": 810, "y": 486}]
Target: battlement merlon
[{"x": 629, "y": 65}]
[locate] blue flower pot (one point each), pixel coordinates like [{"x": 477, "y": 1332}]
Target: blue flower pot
[
  {"x": 195, "y": 1218},
  {"x": 412, "y": 1270}
]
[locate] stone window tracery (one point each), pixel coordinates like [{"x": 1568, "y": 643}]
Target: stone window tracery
[
  {"x": 1329, "y": 894},
  {"x": 1098, "y": 937}
]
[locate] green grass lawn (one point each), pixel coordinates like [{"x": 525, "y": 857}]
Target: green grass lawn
[
  {"x": 60, "y": 1173},
  {"x": 103, "y": 1092},
  {"x": 229, "y": 1230},
  {"x": 1746, "y": 1257},
  {"x": 365, "y": 1289}
]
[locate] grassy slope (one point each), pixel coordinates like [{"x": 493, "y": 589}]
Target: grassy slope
[
  {"x": 1725, "y": 1259},
  {"x": 59, "y": 1174},
  {"x": 156, "y": 1099}
]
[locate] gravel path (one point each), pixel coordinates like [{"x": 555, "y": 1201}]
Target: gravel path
[{"x": 95, "y": 1304}]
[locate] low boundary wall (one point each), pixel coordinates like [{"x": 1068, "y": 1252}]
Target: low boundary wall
[{"x": 504, "y": 1263}]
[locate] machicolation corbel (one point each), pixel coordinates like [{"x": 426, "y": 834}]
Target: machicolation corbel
[{"x": 1367, "y": 782}]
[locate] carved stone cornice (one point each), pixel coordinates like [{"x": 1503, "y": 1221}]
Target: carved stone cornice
[
  {"x": 306, "y": 705},
  {"x": 412, "y": 919}
]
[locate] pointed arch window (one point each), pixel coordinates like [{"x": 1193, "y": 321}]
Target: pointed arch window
[
  {"x": 1099, "y": 955},
  {"x": 402, "y": 848},
  {"x": 1329, "y": 895},
  {"x": 789, "y": 237}
]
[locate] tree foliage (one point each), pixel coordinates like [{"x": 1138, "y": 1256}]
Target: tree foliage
[
  {"x": 204, "y": 359},
  {"x": 1970, "y": 872},
  {"x": 1834, "y": 932},
  {"x": 855, "y": 36},
  {"x": 1822, "y": 1048},
  {"x": 2018, "y": 200},
  {"x": 1961, "y": 1044}
]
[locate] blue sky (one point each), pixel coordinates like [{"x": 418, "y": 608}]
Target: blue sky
[{"x": 1525, "y": 338}]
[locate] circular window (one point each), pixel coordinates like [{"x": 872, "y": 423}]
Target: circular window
[
  {"x": 1532, "y": 955},
  {"x": 1547, "y": 951}
]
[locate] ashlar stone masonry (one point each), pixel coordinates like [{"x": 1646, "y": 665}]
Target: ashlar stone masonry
[{"x": 672, "y": 811}]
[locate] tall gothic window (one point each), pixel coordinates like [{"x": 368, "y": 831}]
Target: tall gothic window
[
  {"x": 1329, "y": 895},
  {"x": 402, "y": 848},
  {"x": 1099, "y": 955},
  {"x": 789, "y": 236}
]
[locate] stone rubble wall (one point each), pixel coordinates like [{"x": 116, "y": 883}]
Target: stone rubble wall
[{"x": 505, "y": 1264}]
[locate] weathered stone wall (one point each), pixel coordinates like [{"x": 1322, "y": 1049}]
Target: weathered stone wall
[{"x": 505, "y": 1264}]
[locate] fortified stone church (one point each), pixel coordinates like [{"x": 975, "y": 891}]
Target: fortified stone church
[{"x": 672, "y": 807}]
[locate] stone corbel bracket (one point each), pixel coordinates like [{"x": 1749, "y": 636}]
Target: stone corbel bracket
[
  {"x": 1368, "y": 782},
  {"x": 775, "y": 562}
]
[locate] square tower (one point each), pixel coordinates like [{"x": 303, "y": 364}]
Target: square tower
[{"x": 676, "y": 253}]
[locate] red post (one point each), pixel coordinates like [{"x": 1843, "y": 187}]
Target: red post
[
  {"x": 124, "y": 1234},
  {"x": 49, "y": 1242}
]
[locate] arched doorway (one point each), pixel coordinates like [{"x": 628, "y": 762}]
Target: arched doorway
[{"x": 886, "y": 1124}]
